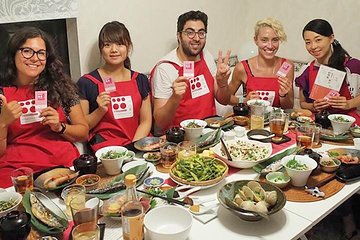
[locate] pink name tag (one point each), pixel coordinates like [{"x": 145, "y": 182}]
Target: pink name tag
[
  {"x": 284, "y": 69},
  {"x": 188, "y": 67},
  {"x": 40, "y": 100},
  {"x": 332, "y": 93},
  {"x": 109, "y": 85}
]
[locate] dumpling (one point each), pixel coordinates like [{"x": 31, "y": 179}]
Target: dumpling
[
  {"x": 238, "y": 200},
  {"x": 248, "y": 205},
  {"x": 271, "y": 197},
  {"x": 261, "y": 207}
]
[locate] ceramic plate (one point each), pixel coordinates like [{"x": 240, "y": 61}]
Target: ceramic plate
[
  {"x": 330, "y": 136},
  {"x": 149, "y": 144},
  {"x": 339, "y": 152},
  {"x": 130, "y": 165},
  {"x": 53, "y": 174},
  {"x": 229, "y": 124}
]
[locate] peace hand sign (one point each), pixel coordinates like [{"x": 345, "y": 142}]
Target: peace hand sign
[{"x": 223, "y": 69}]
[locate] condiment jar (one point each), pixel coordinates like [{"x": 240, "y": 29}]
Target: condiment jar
[
  {"x": 322, "y": 119},
  {"x": 15, "y": 225},
  {"x": 175, "y": 134}
]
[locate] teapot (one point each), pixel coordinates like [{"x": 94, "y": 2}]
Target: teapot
[
  {"x": 241, "y": 109},
  {"x": 15, "y": 225},
  {"x": 322, "y": 118},
  {"x": 175, "y": 134},
  {"x": 86, "y": 164}
]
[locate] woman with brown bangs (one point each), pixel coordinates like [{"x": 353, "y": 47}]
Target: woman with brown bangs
[{"x": 116, "y": 99}]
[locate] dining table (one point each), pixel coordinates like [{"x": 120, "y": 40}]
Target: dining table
[{"x": 291, "y": 222}]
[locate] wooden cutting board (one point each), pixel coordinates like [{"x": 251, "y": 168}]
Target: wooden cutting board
[{"x": 298, "y": 194}]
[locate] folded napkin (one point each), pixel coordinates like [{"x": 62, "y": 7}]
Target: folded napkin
[{"x": 207, "y": 217}]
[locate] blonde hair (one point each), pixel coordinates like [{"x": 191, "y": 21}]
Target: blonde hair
[{"x": 271, "y": 23}]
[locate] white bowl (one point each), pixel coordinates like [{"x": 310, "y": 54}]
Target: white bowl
[
  {"x": 168, "y": 222},
  {"x": 299, "y": 177},
  {"x": 340, "y": 127},
  {"x": 242, "y": 163},
  {"x": 193, "y": 133},
  {"x": 259, "y": 101},
  {"x": 112, "y": 166},
  {"x": 7, "y": 196}
]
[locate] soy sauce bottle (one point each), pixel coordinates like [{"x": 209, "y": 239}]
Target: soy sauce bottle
[
  {"x": 322, "y": 118},
  {"x": 241, "y": 109},
  {"x": 132, "y": 212}
]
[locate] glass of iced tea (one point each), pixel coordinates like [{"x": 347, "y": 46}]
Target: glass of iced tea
[
  {"x": 277, "y": 122},
  {"x": 186, "y": 149},
  {"x": 257, "y": 116},
  {"x": 305, "y": 135},
  {"x": 22, "y": 179},
  {"x": 69, "y": 193},
  {"x": 86, "y": 231},
  {"x": 168, "y": 154}
]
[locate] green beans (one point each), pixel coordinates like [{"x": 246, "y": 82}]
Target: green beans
[
  {"x": 198, "y": 168},
  {"x": 4, "y": 205}
]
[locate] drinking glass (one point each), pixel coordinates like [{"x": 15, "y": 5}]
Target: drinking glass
[
  {"x": 168, "y": 154},
  {"x": 287, "y": 119},
  {"x": 186, "y": 149},
  {"x": 305, "y": 135},
  {"x": 22, "y": 179},
  {"x": 317, "y": 131},
  {"x": 257, "y": 116},
  {"x": 70, "y": 192},
  {"x": 83, "y": 212},
  {"x": 86, "y": 231},
  {"x": 277, "y": 125}
]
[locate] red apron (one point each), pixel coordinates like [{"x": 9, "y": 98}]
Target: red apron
[
  {"x": 344, "y": 91},
  {"x": 32, "y": 145},
  {"x": 267, "y": 87},
  {"x": 198, "y": 101},
  {"x": 119, "y": 124}
]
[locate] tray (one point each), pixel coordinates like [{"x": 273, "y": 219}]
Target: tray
[{"x": 298, "y": 194}]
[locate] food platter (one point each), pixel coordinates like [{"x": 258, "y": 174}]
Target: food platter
[
  {"x": 212, "y": 120},
  {"x": 345, "y": 155},
  {"x": 149, "y": 144},
  {"x": 55, "y": 179},
  {"x": 245, "y": 153},
  {"x": 330, "y": 136},
  {"x": 180, "y": 169}
]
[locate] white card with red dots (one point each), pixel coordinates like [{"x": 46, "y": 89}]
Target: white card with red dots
[
  {"x": 40, "y": 100},
  {"x": 122, "y": 107},
  {"x": 109, "y": 85},
  {"x": 267, "y": 96},
  {"x": 188, "y": 69},
  {"x": 198, "y": 86},
  {"x": 284, "y": 69},
  {"x": 29, "y": 113}
]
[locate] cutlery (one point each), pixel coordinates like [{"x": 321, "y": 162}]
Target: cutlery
[
  {"x": 186, "y": 193},
  {"x": 226, "y": 150}
]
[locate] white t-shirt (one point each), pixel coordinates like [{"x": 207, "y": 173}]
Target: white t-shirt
[{"x": 166, "y": 73}]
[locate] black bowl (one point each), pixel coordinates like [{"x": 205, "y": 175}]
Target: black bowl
[
  {"x": 175, "y": 134},
  {"x": 85, "y": 164}
]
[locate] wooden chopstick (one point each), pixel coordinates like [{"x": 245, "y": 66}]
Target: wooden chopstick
[{"x": 226, "y": 150}]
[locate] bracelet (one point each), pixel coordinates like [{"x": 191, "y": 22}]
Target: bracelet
[
  {"x": 283, "y": 95},
  {"x": 63, "y": 128}
]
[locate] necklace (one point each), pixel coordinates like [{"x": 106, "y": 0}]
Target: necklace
[{"x": 257, "y": 66}]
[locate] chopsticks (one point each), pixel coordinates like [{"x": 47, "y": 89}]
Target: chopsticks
[
  {"x": 162, "y": 197},
  {"x": 226, "y": 150}
]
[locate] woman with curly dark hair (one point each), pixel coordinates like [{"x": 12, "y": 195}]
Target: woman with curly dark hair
[{"x": 34, "y": 135}]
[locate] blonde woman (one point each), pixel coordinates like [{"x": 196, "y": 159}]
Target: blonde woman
[{"x": 258, "y": 74}]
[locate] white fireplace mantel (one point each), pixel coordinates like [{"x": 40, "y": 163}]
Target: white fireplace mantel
[{"x": 35, "y": 10}]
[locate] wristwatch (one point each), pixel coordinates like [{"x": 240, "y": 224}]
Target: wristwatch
[{"x": 63, "y": 128}]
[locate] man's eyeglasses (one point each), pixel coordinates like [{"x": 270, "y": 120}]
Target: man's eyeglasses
[
  {"x": 29, "y": 53},
  {"x": 191, "y": 33}
]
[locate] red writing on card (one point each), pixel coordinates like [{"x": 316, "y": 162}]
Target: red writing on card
[
  {"x": 109, "y": 85},
  {"x": 188, "y": 69},
  {"x": 40, "y": 100},
  {"x": 284, "y": 69}
]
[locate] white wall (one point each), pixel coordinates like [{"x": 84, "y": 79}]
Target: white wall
[{"x": 152, "y": 25}]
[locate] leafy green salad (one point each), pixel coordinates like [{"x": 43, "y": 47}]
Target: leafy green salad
[{"x": 294, "y": 164}]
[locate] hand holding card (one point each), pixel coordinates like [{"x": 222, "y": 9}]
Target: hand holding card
[
  {"x": 40, "y": 100},
  {"x": 109, "y": 85},
  {"x": 332, "y": 93},
  {"x": 284, "y": 69}
]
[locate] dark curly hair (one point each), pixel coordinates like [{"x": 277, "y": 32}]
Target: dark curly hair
[
  {"x": 323, "y": 27},
  {"x": 61, "y": 90},
  {"x": 116, "y": 32},
  {"x": 191, "y": 15}
]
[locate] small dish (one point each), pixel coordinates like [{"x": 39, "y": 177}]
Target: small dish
[
  {"x": 304, "y": 119},
  {"x": 90, "y": 181},
  {"x": 355, "y": 131},
  {"x": 152, "y": 182},
  {"x": 329, "y": 165},
  {"x": 278, "y": 179},
  {"x": 13, "y": 199},
  {"x": 260, "y": 135},
  {"x": 152, "y": 156},
  {"x": 241, "y": 120},
  {"x": 149, "y": 144}
]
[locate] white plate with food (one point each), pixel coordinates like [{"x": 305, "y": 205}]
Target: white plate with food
[
  {"x": 149, "y": 144},
  {"x": 244, "y": 153}
]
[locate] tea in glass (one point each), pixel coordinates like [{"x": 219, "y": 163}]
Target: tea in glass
[
  {"x": 22, "y": 179},
  {"x": 257, "y": 116},
  {"x": 305, "y": 136},
  {"x": 277, "y": 125},
  {"x": 69, "y": 193},
  {"x": 168, "y": 154},
  {"x": 86, "y": 231},
  {"x": 186, "y": 149}
]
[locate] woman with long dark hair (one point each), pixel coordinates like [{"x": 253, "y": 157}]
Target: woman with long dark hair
[
  {"x": 29, "y": 136},
  {"x": 120, "y": 114},
  {"x": 320, "y": 42}
]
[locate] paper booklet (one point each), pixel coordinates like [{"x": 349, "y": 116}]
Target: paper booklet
[{"x": 327, "y": 83}]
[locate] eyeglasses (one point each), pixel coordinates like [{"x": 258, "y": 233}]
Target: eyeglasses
[
  {"x": 29, "y": 53},
  {"x": 191, "y": 33}
]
